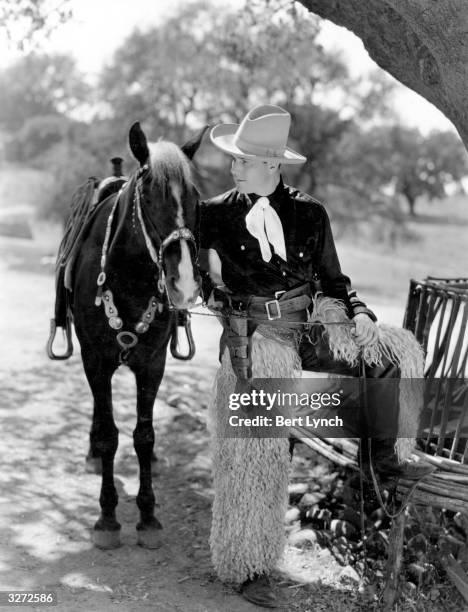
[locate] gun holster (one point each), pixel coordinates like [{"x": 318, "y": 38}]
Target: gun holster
[{"x": 237, "y": 336}]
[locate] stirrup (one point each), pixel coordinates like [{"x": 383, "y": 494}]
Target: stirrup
[
  {"x": 49, "y": 347},
  {"x": 182, "y": 318}
]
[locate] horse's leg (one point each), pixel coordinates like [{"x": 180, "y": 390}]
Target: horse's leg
[
  {"x": 104, "y": 439},
  {"x": 148, "y": 527},
  {"x": 93, "y": 459}
]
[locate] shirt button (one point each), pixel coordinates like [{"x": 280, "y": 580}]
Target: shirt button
[
  {"x": 242, "y": 247},
  {"x": 301, "y": 254}
]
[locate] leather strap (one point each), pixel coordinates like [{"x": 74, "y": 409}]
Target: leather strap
[
  {"x": 301, "y": 302},
  {"x": 254, "y": 299},
  {"x": 238, "y": 337}
]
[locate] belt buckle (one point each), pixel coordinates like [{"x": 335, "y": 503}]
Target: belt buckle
[{"x": 272, "y": 316}]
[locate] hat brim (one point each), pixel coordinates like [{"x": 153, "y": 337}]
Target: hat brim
[{"x": 222, "y": 136}]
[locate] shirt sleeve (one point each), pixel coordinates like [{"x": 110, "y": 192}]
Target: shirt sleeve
[{"x": 334, "y": 283}]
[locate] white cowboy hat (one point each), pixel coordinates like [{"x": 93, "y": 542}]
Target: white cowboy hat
[{"x": 263, "y": 134}]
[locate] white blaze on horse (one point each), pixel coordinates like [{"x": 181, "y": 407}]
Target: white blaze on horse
[{"x": 134, "y": 272}]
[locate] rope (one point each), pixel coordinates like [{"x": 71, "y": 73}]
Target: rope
[
  {"x": 406, "y": 499},
  {"x": 238, "y": 314},
  {"x": 105, "y": 244},
  {"x": 362, "y": 513}
]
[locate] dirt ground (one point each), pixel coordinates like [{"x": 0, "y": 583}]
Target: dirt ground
[{"x": 49, "y": 503}]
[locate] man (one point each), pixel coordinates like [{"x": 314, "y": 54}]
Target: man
[{"x": 268, "y": 248}]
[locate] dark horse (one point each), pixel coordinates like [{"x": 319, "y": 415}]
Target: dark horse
[{"x": 136, "y": 266}]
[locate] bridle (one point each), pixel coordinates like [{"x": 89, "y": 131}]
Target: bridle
[
  {"x": 126, "y": 339},
  {"x": 181, "y": 233}
]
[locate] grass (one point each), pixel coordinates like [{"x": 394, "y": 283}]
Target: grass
[{"x": 435, "y": 246}]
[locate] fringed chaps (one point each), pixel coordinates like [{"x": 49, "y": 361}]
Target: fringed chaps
[
  {"x": 397, "y": 345},
  {"x": 251, "y": 474}
]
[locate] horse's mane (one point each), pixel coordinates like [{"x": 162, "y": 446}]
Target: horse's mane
[{"x": 169, "y": 164}]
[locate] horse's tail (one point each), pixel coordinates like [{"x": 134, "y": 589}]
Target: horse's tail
[{"x": 80, "y": 211}]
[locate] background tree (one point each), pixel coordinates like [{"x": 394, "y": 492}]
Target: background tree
[
  {"x": 426, "y": 166},
  {"x": 169, "y": 75},
  {"x": 26, "y": 22},
  {"x": 39, "y": 85},
  {"x": 392, "y": 159}
]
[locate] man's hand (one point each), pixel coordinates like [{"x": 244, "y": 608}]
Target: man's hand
[
  {"x": 366, "y": 331},
  {"x": 217, "y": 299}
]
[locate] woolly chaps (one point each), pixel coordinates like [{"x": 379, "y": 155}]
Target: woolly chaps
[{"x": 251, "y": 474}]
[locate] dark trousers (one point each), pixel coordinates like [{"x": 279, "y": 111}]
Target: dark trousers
[{"x": 379, "y": 394}]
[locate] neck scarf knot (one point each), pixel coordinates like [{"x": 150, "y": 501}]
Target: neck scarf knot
[{"x": 263, "y": 222}]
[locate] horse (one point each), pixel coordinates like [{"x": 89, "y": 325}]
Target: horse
[{"x": 136, "y": 269}]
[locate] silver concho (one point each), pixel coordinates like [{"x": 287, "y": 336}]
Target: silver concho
[
  {"x": 115, "y": 322},
  {"x": 141, "y": 327}
]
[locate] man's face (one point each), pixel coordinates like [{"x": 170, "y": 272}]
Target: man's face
[{"x": 250, "y": 175}]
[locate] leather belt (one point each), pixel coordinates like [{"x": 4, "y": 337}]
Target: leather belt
[{"x": 282, "y": 306}]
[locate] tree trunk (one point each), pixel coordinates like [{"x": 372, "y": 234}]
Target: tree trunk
[
  {"x": 422, "y": 43},
  {"x": 411, "y": 203}
]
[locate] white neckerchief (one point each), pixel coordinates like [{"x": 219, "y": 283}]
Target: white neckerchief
[{"x": 264, "y": 224}]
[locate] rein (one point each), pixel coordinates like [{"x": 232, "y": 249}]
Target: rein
[
  {"x": 225, "y": 313},
  {"x": 128, "y": 339}
]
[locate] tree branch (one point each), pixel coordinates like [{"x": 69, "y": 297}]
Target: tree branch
[{"x": 421, "y": 43}]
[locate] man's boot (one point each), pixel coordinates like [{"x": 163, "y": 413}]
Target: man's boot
[
  {"x": 259, "y": 591},
  {"x": 385, "y": 462}
]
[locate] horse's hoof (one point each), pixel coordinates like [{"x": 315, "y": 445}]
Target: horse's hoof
[
  {"x": 150, "y": 539},
  {"x": 106, "y": 533},
  {"x": 93, "y": 465},
  {"x": 106, "y": 539},
  {"x": 149, "y": 536}
]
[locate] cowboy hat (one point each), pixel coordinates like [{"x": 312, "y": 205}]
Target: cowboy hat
[{"x": 263, "y": 134}]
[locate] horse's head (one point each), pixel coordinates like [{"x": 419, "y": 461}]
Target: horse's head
[{"x": 167, "y": 198}]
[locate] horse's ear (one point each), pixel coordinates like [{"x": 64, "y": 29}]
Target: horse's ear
[
  {"x": 138, "y": 143},
  {"x": 191, "y": 146}
]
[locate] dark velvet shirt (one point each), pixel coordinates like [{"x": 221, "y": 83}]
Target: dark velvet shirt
[{"x": 310, "y": 248}]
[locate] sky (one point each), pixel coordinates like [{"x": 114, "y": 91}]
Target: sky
[{"x": 100, "y": 26}]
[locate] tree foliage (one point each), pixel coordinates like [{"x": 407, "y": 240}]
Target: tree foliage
[
  {"x": 204, "y": 64},
  {"x": 396, "y": 159},
  {"x": 39, "y": 85},
  {"x": 26, "y": 22}
]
